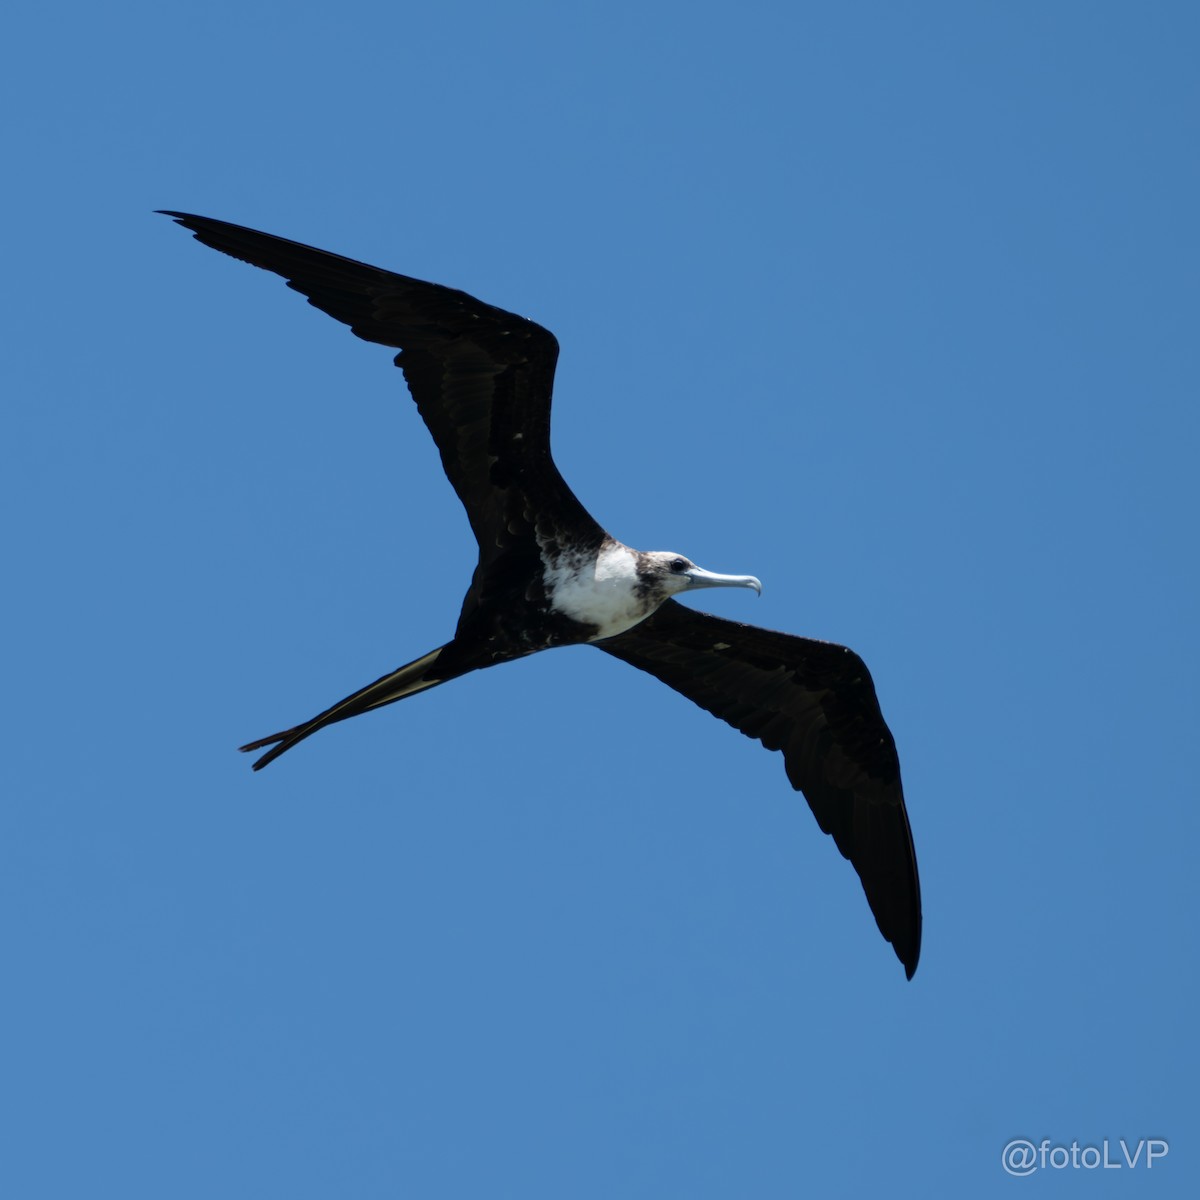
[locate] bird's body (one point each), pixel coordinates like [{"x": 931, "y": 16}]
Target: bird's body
[{"x": 548, "y": 575}]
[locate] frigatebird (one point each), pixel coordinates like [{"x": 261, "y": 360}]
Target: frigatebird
[{"x": 549, "y": 575}]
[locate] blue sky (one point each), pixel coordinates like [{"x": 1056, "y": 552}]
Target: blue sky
[{"x": 894, "y": 306}]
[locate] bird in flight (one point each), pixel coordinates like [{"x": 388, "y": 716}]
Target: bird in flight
[{"x": 548, "y": 575}]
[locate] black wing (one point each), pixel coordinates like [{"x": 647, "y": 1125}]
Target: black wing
[
  {"x": 481, "y": 377},
  {"x": 816, "y": 702}
]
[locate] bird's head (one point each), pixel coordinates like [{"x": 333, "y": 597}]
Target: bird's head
[{"x": 667, "y": 574}]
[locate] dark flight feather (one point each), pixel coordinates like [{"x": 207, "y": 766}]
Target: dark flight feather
[
  {"x": 815, "y": 702},
  {"x": 482, "y": 380}
]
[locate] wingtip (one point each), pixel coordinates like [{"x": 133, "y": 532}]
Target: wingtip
[
  {"x": 189, "y": 221},
  {"x": 192, "y": 222},
  {"x": 909, "y": 954}
]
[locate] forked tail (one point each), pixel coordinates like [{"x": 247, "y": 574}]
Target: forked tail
[{"x": 404, "y": 681}]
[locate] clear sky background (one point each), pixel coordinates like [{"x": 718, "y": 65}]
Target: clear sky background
[{"x": 894, "y": 306}]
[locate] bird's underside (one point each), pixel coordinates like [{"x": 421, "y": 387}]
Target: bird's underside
[{"x": 549, "y": 575}]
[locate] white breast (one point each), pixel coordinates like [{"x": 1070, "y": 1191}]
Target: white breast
[{"x": 600, "y": 590}]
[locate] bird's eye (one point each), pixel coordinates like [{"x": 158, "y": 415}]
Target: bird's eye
[{"x": 680, "y": 564}]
